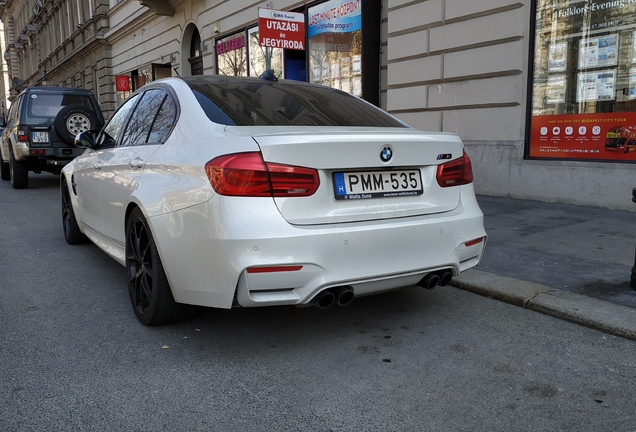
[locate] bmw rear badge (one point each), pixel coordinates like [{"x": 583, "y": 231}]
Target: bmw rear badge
[{"x": 386, "y": 154}]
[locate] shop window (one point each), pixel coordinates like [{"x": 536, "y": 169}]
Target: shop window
[
  {"x": 335, "y": 45},
  {"x": 584, "y": 80},
  {"x": 263, "y": 58},
  {"x": 231, "y": 55}
]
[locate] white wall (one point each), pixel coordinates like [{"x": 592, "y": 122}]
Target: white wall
[{"x": 462, "y": 66}]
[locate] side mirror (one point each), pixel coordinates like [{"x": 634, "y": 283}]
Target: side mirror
[{"x": 85, "y": 140}]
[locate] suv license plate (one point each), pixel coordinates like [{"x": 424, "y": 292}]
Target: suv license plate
[
  {"x": 377, "y": 184},
  {"x": 40, "y": 137}
]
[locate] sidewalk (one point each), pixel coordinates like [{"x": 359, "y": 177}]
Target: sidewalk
[{"x": 568, "y": 261}]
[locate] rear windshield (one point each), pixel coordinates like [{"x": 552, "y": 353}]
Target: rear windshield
[
  {"x": 255, "y": 102},
  {"x": 48, "y": 105}
]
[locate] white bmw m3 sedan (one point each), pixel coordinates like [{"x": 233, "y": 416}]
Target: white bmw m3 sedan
[{"x": 243, "y": 192}]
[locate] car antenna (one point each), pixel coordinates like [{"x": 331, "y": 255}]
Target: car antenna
[{"x": 268, "y": 75}]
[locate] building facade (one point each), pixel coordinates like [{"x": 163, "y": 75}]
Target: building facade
[
  {"x": 59, "y": 43},
  {"x": 540, "y": 91}
]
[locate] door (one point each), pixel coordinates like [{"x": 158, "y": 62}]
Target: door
[
  {"x": 142, "y": 137},
  {"x": 88, "y": 173}
]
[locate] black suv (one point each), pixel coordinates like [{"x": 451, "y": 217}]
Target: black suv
[{"x": 40, "y": 129}]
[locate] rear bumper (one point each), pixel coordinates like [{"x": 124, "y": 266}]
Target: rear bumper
[{"x": 206, "y": 261}]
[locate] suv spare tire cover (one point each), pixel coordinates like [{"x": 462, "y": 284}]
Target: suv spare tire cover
[{"x": 74, "y": 119}]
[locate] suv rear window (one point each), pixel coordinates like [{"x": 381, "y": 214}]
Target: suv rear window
[
  {"x": 256, "y": 102},
  {"x": 48, "y": 105}
]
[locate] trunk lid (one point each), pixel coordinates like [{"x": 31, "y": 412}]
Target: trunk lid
[{"x": 356, "y": 153}]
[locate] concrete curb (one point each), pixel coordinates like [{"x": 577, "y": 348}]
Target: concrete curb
[{"x": 600, "y": 315}]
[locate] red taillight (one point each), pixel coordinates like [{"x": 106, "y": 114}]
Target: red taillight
[
  {"x": 22, "y": 136},
  {"x": 455, "y": 173},
  {"x": 245, "y": 174}
]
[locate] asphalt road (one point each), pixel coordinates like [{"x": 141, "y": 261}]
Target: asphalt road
[{"x": 74, "y": 357}]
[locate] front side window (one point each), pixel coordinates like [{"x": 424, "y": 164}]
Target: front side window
[
  {"x": 584, "y": 80},
  {"x": 112, "y": 131}
]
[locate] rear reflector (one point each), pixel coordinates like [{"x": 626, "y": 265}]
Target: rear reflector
[
  {"x": 246, "y": 174},
  {"x": 455, "y": 173},
  {"x": 474, "y": 242},
  {"x": 273, "y": 269}
]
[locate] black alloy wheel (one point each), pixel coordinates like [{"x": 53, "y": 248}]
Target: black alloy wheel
[
  {"x": 72, "y": 233},
  {"x": 148, "y": 287}
]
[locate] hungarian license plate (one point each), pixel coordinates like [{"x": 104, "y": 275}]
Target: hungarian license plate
[
  {"x": 40, "y": 137},
  {"x": 377, "y": 184}
]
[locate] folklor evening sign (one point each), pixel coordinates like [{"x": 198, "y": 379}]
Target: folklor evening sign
[{"x": 280, "y": 29}]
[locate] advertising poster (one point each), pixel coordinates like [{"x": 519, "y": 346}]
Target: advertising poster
[
  {"x": 556, "y": 89},
  {"x": 634, "y": 47},
  {"x": 558, "y": 57},
  {"x": 598, "y": 52},
  {"x": 335, "y": 16},
  {"x": 632, "y": 83},
  {"x": 356, "y": 64},
  {"x": 602, "y": 136},
  {"x": 596, "y": 86},
  {"x": 334, "y": 31}
]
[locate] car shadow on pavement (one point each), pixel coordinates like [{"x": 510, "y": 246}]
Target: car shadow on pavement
[{"x": 372, "y": 323}]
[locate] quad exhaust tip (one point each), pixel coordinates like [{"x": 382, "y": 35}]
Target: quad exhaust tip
[
  {"x": 431, "y": 280},
  {"x": 342, "y": 296}
]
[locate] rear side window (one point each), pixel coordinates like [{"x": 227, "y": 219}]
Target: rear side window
[
  {"x": 142, "y": 118},
  {"x": 254, "y": 102},
  {"x": 49, "y": 104},
  {"x": 163, "y": 122}
]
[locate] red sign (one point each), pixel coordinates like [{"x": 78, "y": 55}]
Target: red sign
[
  {"x": 122, "y": 82},
  {"x": 605, "y": 136},
  {"x": 230, "y": 45},
  {"x": 280, "y": 29}
]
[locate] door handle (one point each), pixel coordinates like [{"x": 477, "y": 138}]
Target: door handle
[
  {"x": 98, "y": 166},
  {"x": 136, "y": 163}
]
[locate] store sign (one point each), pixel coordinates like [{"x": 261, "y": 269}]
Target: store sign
[
  {"x": 230, "y": 45},
  {"x": 122, "y": 83},
  {"x": 335, "y": 16},
  {"x": 602, "y": 136},
  {"x": 280, "y": 29}
]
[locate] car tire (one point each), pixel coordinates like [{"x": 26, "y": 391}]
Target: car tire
[
  {"x": 4, "y": 170},
  {"x": 18, "y": 172},
  {"x": 72, "y": 233},
  {"x": 72, "y": 120},
  {"x": 148, "y": 287}
]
